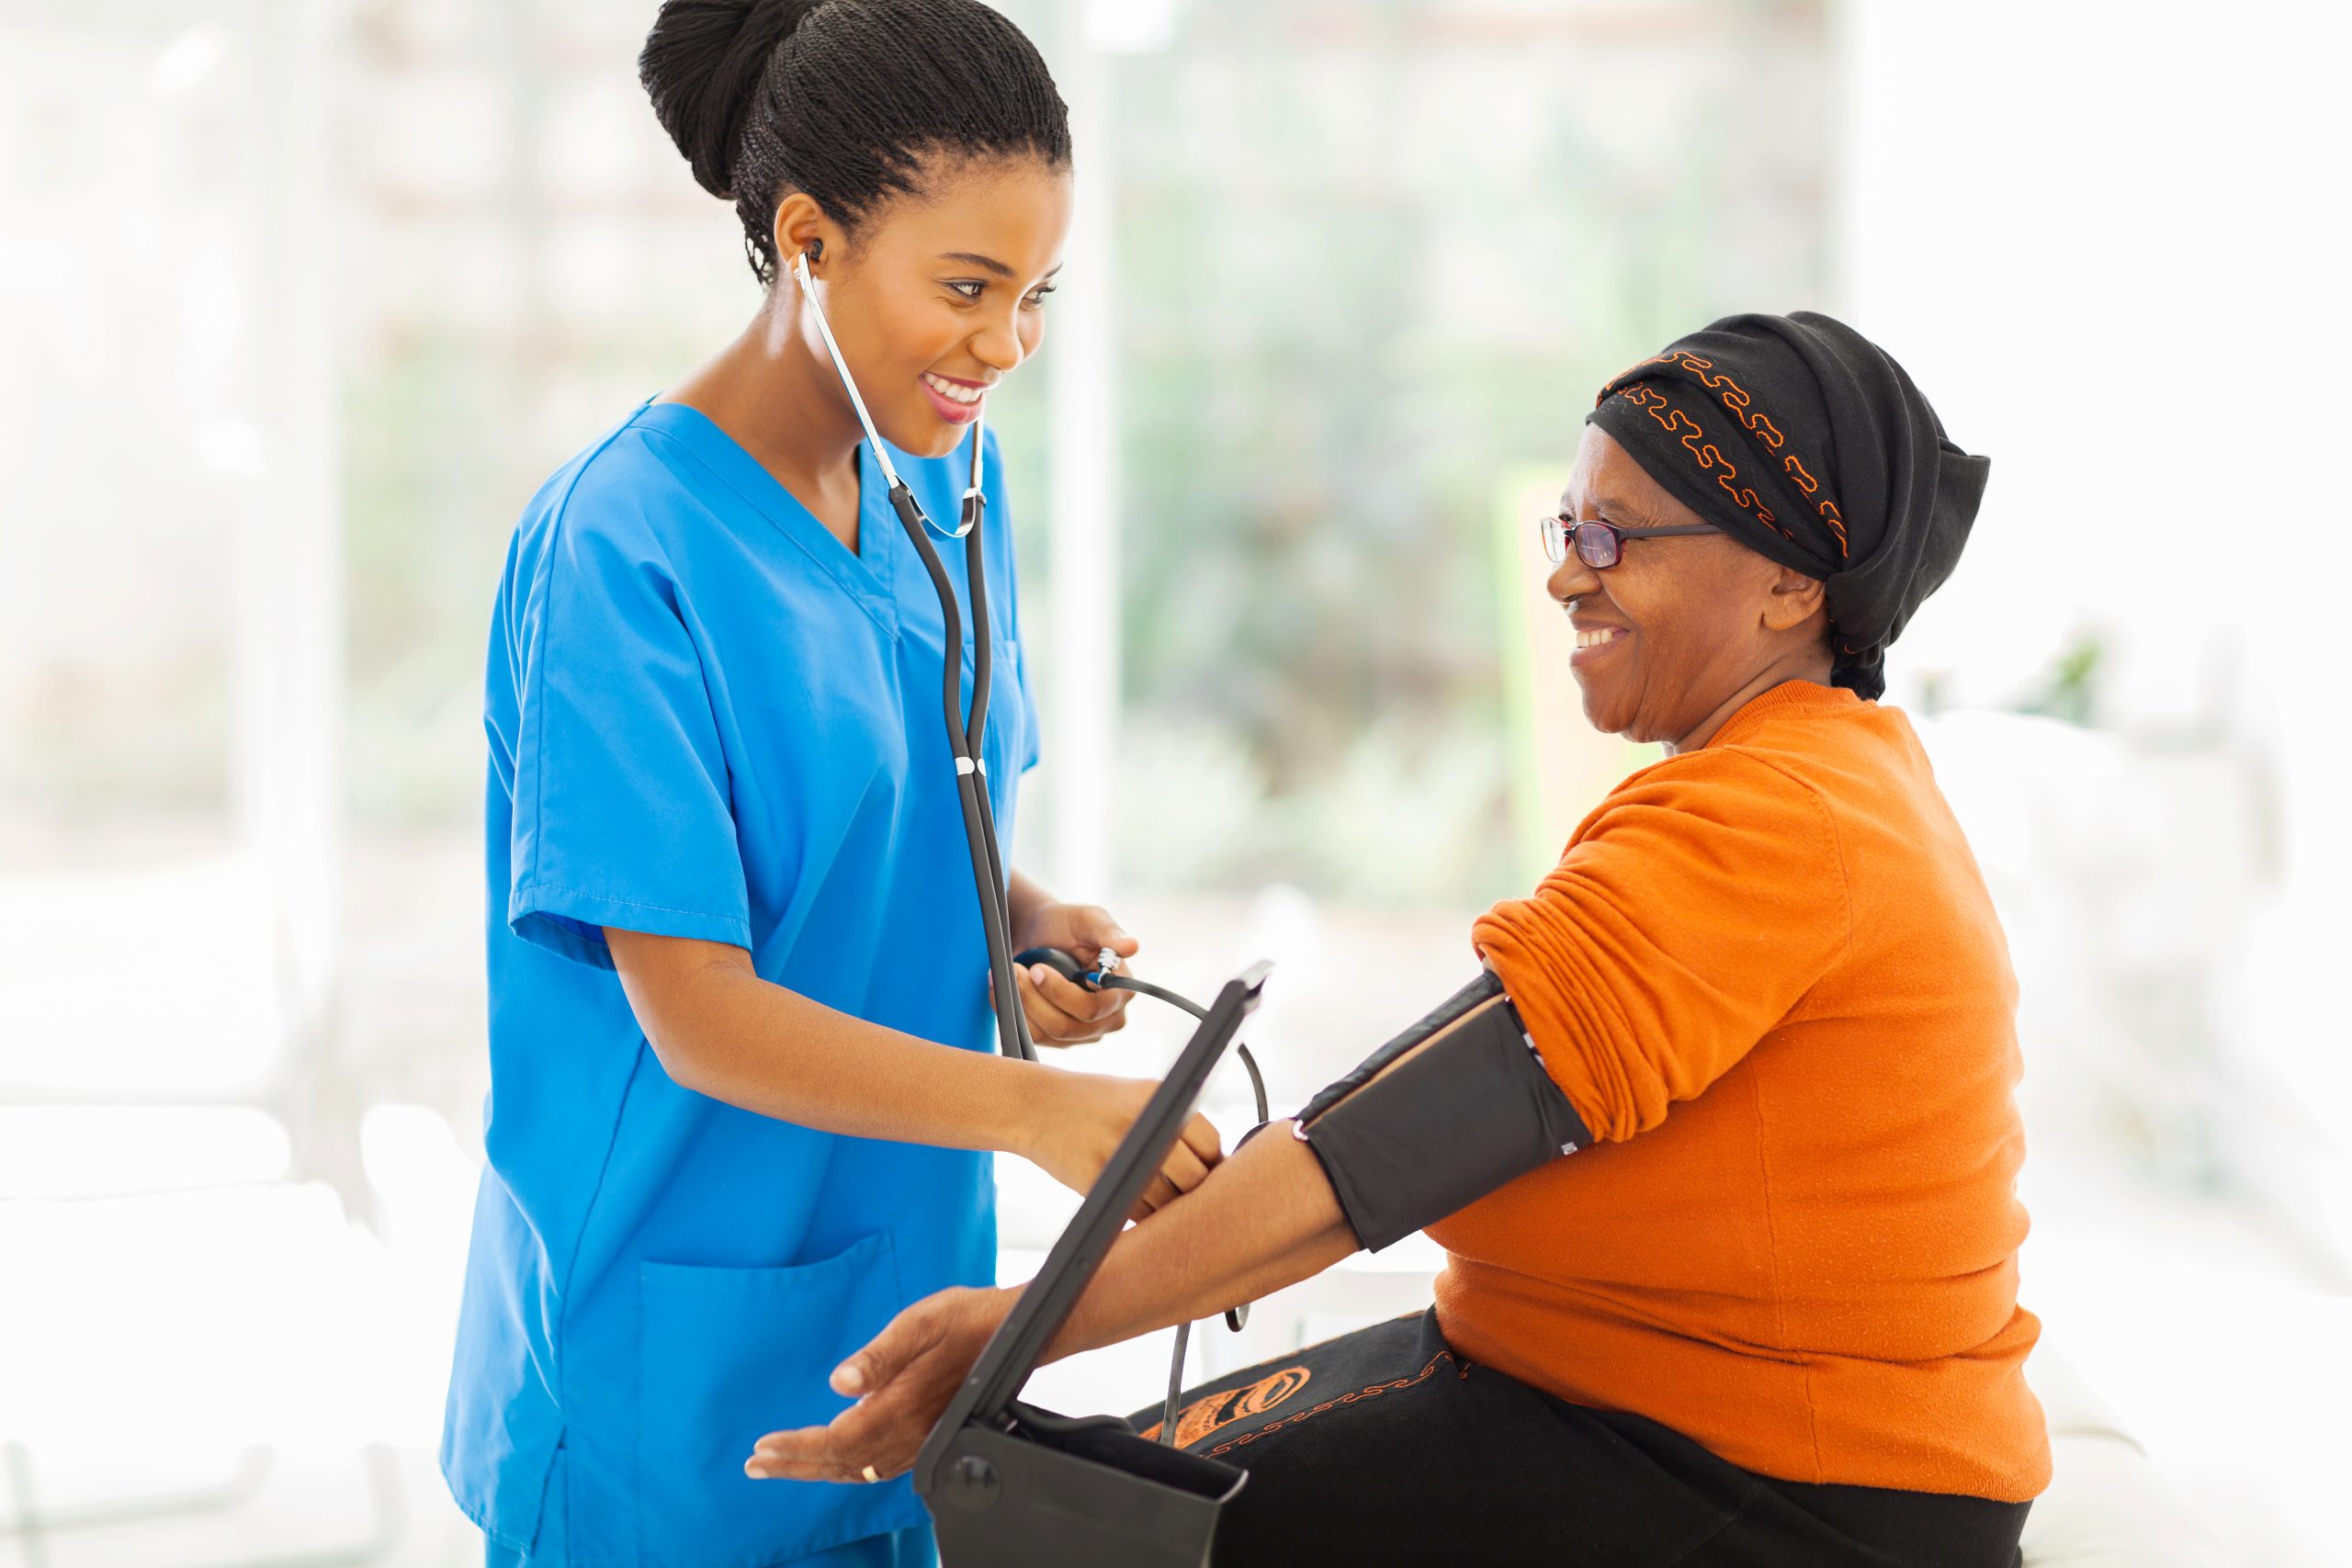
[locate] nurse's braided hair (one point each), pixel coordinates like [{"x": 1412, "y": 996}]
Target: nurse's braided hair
[{"x": 842, "y": 99}]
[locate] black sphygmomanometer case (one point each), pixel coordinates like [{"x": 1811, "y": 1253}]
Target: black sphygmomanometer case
[
  {"x": 1012, "y": 1486},
  {"x": 1076, "y": 1493}
]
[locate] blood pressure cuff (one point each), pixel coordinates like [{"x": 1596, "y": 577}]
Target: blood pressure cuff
[{"x": 1406, "y": 1143}]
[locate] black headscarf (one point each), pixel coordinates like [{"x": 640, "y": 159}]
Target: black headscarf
[{"x": 1804, "y": 441}]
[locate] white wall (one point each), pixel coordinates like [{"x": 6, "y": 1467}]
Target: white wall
[{"x": 2108, "y": 240}]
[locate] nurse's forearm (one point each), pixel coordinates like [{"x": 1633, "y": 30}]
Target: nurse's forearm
[
  {"x": 1264, "y": 1219},
  {"x": 1022, "y": 899},
  {"x": 720, "y": 1029}
]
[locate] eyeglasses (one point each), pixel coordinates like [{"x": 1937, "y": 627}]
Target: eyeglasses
[{"x": 1601, "y": 545}]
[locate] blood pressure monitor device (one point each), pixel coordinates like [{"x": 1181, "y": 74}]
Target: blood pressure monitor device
[{"x": 1010, "y": 1485}]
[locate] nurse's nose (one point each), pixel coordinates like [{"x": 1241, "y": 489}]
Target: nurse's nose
[{"x": 999, "y": 345}]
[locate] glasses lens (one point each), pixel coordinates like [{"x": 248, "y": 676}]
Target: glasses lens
[
  {"x": 1554, "y": 535},
  {"x": 1597, "y": 546}
]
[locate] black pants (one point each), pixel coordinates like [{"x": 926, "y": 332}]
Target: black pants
[{"x": 1382, "y": 1447}]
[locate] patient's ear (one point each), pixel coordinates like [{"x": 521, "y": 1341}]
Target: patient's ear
[{"x": 1792, "y": 599}]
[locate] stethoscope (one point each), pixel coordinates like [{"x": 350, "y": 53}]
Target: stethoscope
[
  {"x": 965, "y": 734},
  {"x": 966, "y": 731}
]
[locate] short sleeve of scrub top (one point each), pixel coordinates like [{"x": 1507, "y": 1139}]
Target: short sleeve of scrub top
[
  {"x": 621, "y": 809},
  {"x": 707, "y": 717}
]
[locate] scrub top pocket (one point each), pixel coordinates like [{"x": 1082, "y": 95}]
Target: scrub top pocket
[{"x": 726, "y": 1356}]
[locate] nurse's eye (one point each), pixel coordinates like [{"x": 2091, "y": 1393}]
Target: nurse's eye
[
  {"x": 970, "y": 288},
  {"x": 1036, "y": 299}
]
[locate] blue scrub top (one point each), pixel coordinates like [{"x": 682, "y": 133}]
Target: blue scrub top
[{"x": 709, "y": 719}]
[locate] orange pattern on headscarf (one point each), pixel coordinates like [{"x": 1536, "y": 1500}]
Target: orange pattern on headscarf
[
  {"x": 1737, "y": 399},
  {"x": 1705, "y": 453}
]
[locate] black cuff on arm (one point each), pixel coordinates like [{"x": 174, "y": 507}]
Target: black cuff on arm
[{"x": 1404, "y": 1145}]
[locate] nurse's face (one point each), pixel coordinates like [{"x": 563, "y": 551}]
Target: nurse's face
[
  {"x": 1681, "y": 627},
  {"x": 940, "y": 296}
]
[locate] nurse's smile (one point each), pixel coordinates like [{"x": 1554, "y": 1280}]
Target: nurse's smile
[
  {"x": 957, "y": 403},
  {"x": 938, "y": 297}
]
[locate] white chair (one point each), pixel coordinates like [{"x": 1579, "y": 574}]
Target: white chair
[{"x": 2108, "y": 1505}]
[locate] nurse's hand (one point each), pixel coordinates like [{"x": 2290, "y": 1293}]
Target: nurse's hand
[
  {"x": 1062, "y": 1012},
  {"x": 904, "y": 1378},
  {"x": 1079, "y": 1122}
]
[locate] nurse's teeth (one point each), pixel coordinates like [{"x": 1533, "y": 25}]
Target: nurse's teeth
[
  {"x": 1594, "y": 638},
  {"x": 953, "y": 391}
]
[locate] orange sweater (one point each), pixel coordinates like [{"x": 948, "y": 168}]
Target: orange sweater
[{"x": 1768, "y": 975}]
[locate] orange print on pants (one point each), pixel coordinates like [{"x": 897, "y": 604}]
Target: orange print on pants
[{"x": 1218, "y": 1411}]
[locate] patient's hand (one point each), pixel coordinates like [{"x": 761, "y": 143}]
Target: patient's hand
[{"x": 905, "y": 1378}]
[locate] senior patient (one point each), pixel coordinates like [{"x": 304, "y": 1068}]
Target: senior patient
[{"x": 1767, "y": 1312}]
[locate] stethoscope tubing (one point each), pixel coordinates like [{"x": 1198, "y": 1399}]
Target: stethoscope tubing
[
  {"x": 966, "y": 732},
  {"x": 967, "y": 735}
]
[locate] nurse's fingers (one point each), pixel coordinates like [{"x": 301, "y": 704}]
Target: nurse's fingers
[
  {"x": 1183, "y": 1167},
  {"x": 1074, "y": 998},
  {"x": 1048, "y": 1025},
  {"x": 1159, "y": 1195},
  {"x": 1092, "y": 927},
  {"x": 1053, "y": 1023},
  {"x": 1200, "y": 1135},
  {"x": 1045, "y": 1019}
]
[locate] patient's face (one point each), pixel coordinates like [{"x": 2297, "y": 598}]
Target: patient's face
[{"x": 1678, "y": 625}]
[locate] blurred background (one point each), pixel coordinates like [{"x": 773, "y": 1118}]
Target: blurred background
[{"x": 300, "y": 301}]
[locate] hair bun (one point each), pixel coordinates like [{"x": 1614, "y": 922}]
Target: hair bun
[{"x": 702, "y": 62}]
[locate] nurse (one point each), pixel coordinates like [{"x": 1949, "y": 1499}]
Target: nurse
[{"x": 743, "y": 1099}]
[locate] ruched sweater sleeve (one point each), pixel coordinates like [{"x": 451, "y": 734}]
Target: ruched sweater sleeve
[{"x": 1690, "y": 913}]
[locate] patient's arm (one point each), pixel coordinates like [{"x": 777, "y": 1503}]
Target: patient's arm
[
  {"x": 1448, "y": 1111},
  {"x": 1263, "y": 1219},
  {"x": 1452, "y": 1108}
]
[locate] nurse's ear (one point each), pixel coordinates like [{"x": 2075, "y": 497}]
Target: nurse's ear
[{"x": 802, "y": 228}]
